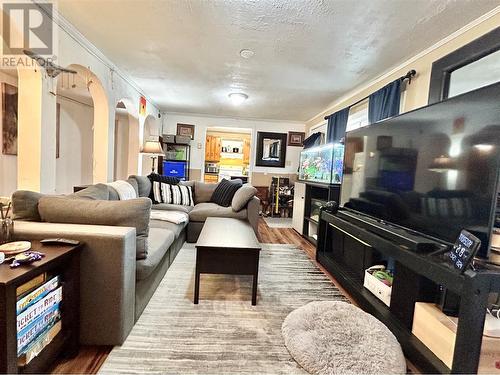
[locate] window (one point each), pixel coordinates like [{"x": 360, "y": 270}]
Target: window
[
  {"x": 480, "y": 73},
  {"x": 358, "y": 116}
]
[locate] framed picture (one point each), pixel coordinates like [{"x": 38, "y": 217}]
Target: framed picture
[
  {"x": 296, "y": 139},
  {"x": 271, "y": 149},
  {"x": 186, "y": 130},
  {"x": 9, "y": 119}
]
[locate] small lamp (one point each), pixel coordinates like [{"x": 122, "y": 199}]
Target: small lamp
[{"x": 154, "y": 149}]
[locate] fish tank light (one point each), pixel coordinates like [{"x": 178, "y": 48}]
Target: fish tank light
[{"x": 323, "y": 164}]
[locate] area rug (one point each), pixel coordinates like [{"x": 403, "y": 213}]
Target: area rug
[
  {"x": 224, "y": 334},
  {"x": 279, "y": 222}
]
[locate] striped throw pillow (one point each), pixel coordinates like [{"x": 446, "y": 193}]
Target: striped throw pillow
[
  {"x": 224, "y": 192},
  {"x": 172, "y": 194}
]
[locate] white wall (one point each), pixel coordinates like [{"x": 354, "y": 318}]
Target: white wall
[
  {"x": 121, "y": 145},
  {"x": 201, "y": 124},
  {"x": 74, "y": 165},
  {"x": 8, "y": 163}
]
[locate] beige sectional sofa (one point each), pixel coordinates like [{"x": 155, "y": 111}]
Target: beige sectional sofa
[{"x": 117, "y": 278}]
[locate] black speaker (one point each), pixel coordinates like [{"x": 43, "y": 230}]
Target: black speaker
[{"x": 448, "y": 302}]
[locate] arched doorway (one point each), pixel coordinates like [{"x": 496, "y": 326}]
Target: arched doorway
[
  {"x": 74, "y": 131},
  {"x": 83, "y": 127},
  {"x": 8, "y": 131},
  {"x": 126, "y": 141}
]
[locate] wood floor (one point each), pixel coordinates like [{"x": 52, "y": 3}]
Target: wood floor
[{"x": 90, "y": 358}]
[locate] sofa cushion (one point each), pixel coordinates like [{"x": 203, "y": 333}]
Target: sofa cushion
[
  {"x": 113, "y": 194},
  {"x": 155, "y": 177},
  {"x": 25, "y": 205},
  {"x": 203, "y": 191},
  {"x": 130, "y": 213},
  {"x": 95, "y": 192},
  {"x": 143, "y": 185},
  {"x": 224, "y": 193},
  {"x": 159, "y": 241},
  {"x": 135, "y": 185},
  {"x": 242, "y": 197},
  {"x": 201, "y": 211},
  {"x": 172, "y": 194},
  {"x": 174, "y": 228},
  {"x": 172, "y": 207}
]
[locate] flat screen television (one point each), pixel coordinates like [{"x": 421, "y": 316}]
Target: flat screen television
[
  {"x": 175, "y": 169},
  {"x": 434, "y": 170}
]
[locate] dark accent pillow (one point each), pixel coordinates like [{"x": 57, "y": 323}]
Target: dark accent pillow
[
  {"x": 224, "y": 192},
  {"x": 155, "y": 177}
]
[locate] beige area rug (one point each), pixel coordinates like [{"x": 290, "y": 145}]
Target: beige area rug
[{"x": 224, "y": 334}]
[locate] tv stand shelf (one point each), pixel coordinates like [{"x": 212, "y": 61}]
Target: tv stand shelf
[{"x": 346, "y": 250}]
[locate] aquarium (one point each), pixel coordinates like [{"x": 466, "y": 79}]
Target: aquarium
[{"x": 322, "y": 164}]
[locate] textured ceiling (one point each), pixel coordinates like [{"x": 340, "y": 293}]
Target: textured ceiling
[{"x": 185, "y": 53}]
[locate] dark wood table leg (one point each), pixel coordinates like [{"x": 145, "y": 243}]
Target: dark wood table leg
[
  {"x": 255, "y": 279},
  {"x": 196, "y": 280}
]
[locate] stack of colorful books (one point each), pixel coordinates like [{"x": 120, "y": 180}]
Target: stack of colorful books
[{"x": 38, "y": 316}]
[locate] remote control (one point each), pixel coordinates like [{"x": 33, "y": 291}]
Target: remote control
[{"x": 58, "y": 241}]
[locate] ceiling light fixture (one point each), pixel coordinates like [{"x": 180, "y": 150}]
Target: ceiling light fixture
[
  {"x": 237, "y": 98},
  {"x": 246, "y": 53}
]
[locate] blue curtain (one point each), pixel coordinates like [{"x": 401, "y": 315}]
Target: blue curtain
[
  {"x": 384, "y": 103},
  {"x": 337, "y": 122}
]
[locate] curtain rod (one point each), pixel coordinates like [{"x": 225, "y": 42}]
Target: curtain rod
[{"x": 408, "y": 76}]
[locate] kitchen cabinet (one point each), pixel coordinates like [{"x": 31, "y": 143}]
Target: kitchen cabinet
[
  {"x": 246, "y": 151},
  {"x": 212, "y": 148}
]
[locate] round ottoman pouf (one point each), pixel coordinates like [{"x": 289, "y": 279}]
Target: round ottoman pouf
[{"x": 334, "y": 337}]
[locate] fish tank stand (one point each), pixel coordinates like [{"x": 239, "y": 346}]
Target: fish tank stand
[{"x": 316, "y": 195}]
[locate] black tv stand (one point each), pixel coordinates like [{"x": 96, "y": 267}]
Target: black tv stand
[
  {"x": 406, "y": 238},
  {"x": 348, "y": 245}
]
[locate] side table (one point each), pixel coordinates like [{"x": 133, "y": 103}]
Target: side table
[{"x": 62, "y": 260}]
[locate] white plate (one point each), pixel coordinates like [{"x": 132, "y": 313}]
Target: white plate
[{"x": 17, "y": 247}]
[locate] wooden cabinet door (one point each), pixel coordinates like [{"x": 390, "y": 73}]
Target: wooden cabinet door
[
  {"x": 208, "y": 148},
  {"x": 217, "y": 148},
  {"x": 246, "y": 151}
]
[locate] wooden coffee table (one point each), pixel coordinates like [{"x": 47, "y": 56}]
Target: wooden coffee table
[{"x": 227, "y": 246}]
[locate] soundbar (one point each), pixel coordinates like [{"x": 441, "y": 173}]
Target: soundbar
[{"x": 406, "y": 238}]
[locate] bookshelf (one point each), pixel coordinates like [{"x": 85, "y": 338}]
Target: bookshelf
[{"x": 55, "y": 278}]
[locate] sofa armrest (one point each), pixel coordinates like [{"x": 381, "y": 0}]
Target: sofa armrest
[
  {"x": 253, "y": 209},
  {"x": 107, "y": 276}
]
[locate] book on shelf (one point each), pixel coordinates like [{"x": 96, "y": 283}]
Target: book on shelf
[
  {"x": 36, "y": 347},
  {"x": 37, "y": 309},
  {"x": 33, "y": 283},
  {"x": 36, "y": 294},
  {"x": 31, "y": 332}
]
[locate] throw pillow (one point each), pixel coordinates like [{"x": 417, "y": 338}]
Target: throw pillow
[
  {"x": 133, "y": 213},
  {"x": 203, "y": 191},
  {"x": 224, "y": 192},
  {"x": 96, "y": 192},
  {"x": 172, "y": 194},
  {"x": 155, "y": 177},
  {"x": 242, "y": 197}
]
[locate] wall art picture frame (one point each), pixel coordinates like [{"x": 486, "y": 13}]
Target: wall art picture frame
[
  {"x": 296, "y": 139},
  {"x": 9, "y": 119},
  {"x": 185, "y": 130},
  {"x": 271, "y": 149}
]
